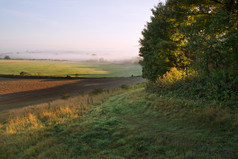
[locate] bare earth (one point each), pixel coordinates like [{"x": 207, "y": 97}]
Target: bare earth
[{"x": 17, "y": 93}]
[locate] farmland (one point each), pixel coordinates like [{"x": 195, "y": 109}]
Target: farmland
[
  {"x": 68, "y": 68},
  {"x": 17, "y": 93},
  {"x": 8, "y": 86}
]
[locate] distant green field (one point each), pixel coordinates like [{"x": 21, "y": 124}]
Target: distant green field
[{"x": 64, "y": 68}]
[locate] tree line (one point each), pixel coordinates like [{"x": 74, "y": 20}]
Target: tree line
[{"x": 198, "y": 35}]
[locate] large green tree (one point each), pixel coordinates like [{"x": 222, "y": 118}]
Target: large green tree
[
  {"x": 160, "y": 47},
  {"x": 200, "y": 34},
  {"x": 210, "y": 29}
]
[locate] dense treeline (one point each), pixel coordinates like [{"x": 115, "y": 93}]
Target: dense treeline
[{"x": 199, "y": 36}]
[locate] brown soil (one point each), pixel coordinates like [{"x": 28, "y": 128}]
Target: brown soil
[
  {"x": 17, "y": 93},
  {"x": 9, "y": 86}
]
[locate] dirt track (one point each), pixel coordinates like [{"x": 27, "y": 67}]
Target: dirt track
[{"x": 11, "y": 98}]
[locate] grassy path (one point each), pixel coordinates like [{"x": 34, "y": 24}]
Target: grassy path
[
  {"x": 126, "y": 126},
  {"x": 139, "y": 132}
]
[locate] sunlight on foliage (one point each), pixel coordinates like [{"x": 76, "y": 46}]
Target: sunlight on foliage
[
  {"x": 170, "y": 77},
  {"x": 29, "y": 122}
]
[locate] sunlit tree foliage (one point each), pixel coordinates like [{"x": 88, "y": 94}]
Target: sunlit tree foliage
[{"x": 198, "y": 34}]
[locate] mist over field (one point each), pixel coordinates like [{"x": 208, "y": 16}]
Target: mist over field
[
  {"x": 119, "y": 79},
  {"x": 95, "y": 56}
]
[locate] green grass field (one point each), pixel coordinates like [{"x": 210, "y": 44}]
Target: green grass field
[
  {"x": 125, "y": 123},
  {"x": 64, "y": 68}
]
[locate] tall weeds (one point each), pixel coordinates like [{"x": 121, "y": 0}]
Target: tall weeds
[{"x": 43, "y": 115}]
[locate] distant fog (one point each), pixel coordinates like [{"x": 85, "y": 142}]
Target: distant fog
[{"x": 73, "y": 56}]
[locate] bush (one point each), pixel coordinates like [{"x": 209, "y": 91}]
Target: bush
[
  {"x": 7, "y": 58},
  {"x": 65, "y": 96},
  {"x": 217, "y": 87},
  {"x": 38, "y": 73},
  {"x": 124, "y": 86},
  {"x": 170, "y": 78},
  {"x": 151, "y": 87},
  {"x": 25, "y": 73},
  {"x": 96, "y": 91}
]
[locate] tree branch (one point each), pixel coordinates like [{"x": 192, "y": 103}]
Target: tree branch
[{"x": 217, "y": 1}]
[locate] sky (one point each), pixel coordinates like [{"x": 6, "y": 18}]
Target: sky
[{"x": 74, "y": 25}]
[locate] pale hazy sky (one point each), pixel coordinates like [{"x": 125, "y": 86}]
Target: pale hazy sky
[{"x": 89, "y": 25}]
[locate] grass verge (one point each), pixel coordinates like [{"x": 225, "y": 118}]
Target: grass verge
[{"x": 128, "y": 123}]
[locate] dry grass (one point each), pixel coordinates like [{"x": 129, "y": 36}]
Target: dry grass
[
  {"x": 8, "y": 86},
  {"x": 121, "y": 124},
  {"x": 55, "y": 112}
]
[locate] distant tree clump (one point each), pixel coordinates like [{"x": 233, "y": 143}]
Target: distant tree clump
[
  {"x": 76, "y": 75},
  {"x": 68, "y": 76},
  {"x": 7, "y": 58},
  {"x": 23, "y": 73}
]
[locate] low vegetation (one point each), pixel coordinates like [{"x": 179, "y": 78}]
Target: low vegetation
[
  {"x": 96, "y": 91},
  {"x": 65, "y": 96},
  {"x": 25, "y": 74},
  {"x": 216, "y": 88},
  {"x": 124, "y": 123},
  {"x": 124, "y": 86}
]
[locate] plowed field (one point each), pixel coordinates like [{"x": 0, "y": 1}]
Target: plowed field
[{"x": 17, "y": 93}]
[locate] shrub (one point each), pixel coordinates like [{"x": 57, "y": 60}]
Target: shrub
[
  {"x": 96, "y": 91},
  {"x": 65, "y": 96},
  {"x": 124, "y": 86},
  {"x": 38, "y": 73},
  {"x": 217, "y": 87},
  {"x": 25, "y": 73},
  {"x": 170, "y": 77},
  {"x": 7, "y": 58},
  {"x": 151, "y": 87}
]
